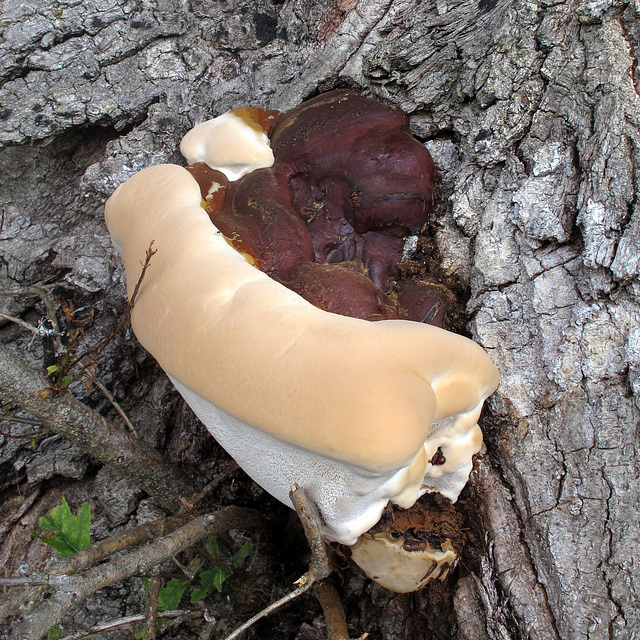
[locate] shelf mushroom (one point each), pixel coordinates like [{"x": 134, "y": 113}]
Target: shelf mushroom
[{"x": 355, "y": 412}]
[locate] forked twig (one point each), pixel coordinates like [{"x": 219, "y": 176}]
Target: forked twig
[{"x": 319, "y": 569}]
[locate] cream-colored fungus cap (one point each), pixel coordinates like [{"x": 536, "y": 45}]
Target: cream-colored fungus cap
[
  {"x": 351, "y": 410},
  {"x": 385, "y": 560},
  {"x": 232, "y": 143}
]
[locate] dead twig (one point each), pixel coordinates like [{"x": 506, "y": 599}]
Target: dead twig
[
  {"x": 147, "y": 259},
  {"x": 18, "y": 321},
  {"x": 320, "y": 566},
  {"x": 333, "y": 611},
  {"x": 304, "y": 584},
  {"x": 116, "y": 406},
  {"x": 208, "y": 489},
  {"x": 155, "y": 584},
  {"x": 319, "y": 569},
  {"x": 110, "y": 625},
  {"x": 94, "y": 352},
  {"x": 127, "y": 539}
]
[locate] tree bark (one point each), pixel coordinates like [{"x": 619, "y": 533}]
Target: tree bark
[{"x": 532, "y": 113}]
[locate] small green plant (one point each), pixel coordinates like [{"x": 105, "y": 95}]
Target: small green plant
[
  {"x": 213, "y": 578},
  {"x": 171, "y": 594},
  {"x": 70, "y": 533},
  {"x": 210, "y": 579},
  {"x": 54, "y": 372},
  {"x": 245, "y": 550}
]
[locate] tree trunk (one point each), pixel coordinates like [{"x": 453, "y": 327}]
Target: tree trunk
[{"x": 532, "y": 113}]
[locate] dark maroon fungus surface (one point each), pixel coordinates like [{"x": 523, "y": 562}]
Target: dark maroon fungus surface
[{"x": 329, "y": 218}]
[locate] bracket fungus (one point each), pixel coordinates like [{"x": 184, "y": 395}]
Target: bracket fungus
[{"x": 273, "y": 252}]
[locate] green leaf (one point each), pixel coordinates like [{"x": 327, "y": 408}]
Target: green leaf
[
  {"x": 211, "y": 579},
  {"x": 146, "y": 583},
  {"x": 243, "y": 552},
  {"x": 171, "y": 594},
  {"x": 52, "y": 369},
  {"x": 212, "y": 546},
  {"x": 55, "y": 633},
  {"x": 70, "y": 533},
  {"x": 139, "y": 635}
]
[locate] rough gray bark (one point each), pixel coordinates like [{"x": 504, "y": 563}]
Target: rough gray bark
[{"x": 531, "y": 110}]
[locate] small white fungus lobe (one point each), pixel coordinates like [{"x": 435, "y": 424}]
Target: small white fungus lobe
[{"x": 229, "y": 145}]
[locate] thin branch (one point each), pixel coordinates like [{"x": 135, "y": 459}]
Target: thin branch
[
  {"x": 18, "y": 321},
  {"x": 127, "y": 539},
  {"x": 116, "y": 406},
  {"x": 190, "y": 575},
  {"x": 94, "y": 352},
  {"x": 304, "y": 584},
  {"x": 64, "y": 414},
  {"x": 208, "y": 489},
  {"x": 149, "y": 254},
  {"x": 74, "y": 589},
  {"x": 110, "y": 625},
  {"x": 155, "y": 584},
  {"x": 333, "y": 611},
  {"x": 319, "y": 567}
]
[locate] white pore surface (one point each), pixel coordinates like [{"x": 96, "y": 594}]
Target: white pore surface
[
  {"x": 458, "y": 442},
  {"x": 229, "y": 145},
  {"x": 350, "y": 499}
]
